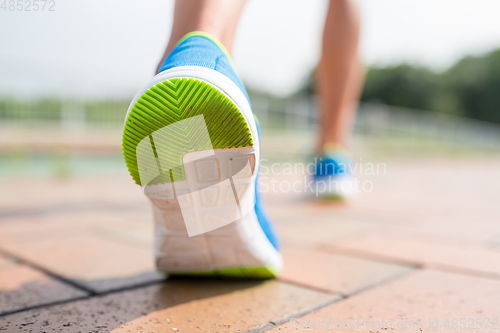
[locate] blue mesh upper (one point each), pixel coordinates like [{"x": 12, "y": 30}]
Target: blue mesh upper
[
  {"x": 201, "y": 51},
  {"x": 264, "y": 221},
  {"x": 327, "y": 166},
  {"x": 332, "y": 163}
]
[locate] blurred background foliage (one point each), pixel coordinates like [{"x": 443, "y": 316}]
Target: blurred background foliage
[
  {"x": 469, "y": 88},
  {"x": 405, "y": 110}
]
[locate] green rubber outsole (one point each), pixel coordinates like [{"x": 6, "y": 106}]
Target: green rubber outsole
[
  {"x": 171, "y": 101},
  {"x": 334, "y": 198},
  {"x": 264, "y": 272}
]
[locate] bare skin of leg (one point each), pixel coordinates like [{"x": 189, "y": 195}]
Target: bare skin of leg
[
  {"x": 340, "y": 75},
  {"x": 218, "y": 18}
]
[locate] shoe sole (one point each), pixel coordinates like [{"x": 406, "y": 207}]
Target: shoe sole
[
  {"x": 237, "y": 250},
  {"x": 338, "y": 193}
]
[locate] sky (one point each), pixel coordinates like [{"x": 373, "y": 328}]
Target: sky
[{"x": 109, "y": 49}]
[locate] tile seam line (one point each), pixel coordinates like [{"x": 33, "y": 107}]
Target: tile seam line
[
  {"x": 335, "y": 298},
  {"x": 387, "y": 280},
  {"x": 368, "y": 286},
  {"x": 45, "y": 305},
  {"x": 82, "y": 298},
  {"x": 360, "y": 254},
  {"x": 302, "y": 285},
  {"x": 339, "y": 250},
  {"x": 47, "y": 272},
  {"x": 64, "y": 209},
  {"x": 272, "y": 324},
  {"x": 269, "y": 326},
  {"x": 462, "y": 271}
]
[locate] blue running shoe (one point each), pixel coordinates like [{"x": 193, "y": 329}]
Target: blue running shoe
[
  {"x": 333, "y": 178},
  {"x": 191, "y": 141}
]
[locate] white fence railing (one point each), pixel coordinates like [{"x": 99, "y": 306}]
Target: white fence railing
[{"x": 296, "y": 113}]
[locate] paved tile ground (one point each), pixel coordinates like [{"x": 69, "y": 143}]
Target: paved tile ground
[
  {"x": 423, "y": 245},
  {"x": 424, "y": 301},
  {"x": 22, "y": 287}
]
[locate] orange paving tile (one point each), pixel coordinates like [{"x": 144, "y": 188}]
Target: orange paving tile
[
  {"x": 429, "y": 252},
  {"x": 23, "y": 287},
  {"x": 4, "y": 262},
  {"x": 98, "y": 232},
  {"x": 334, "y": 272},
  {"x": 178, "y": 305},
  {"x": 97, "y": 262},
  {"x": 428, "y": 301}
]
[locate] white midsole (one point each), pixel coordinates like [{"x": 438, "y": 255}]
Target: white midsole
[
  {"x": 334, "y": 185},
  {"x": 239, "y": 244}
]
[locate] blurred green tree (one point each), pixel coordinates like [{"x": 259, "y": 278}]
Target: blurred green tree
[
  {"x": 402, "y": 85},
  {"x": 475, "y": 84},
  {"x": 470, "y": 88}
]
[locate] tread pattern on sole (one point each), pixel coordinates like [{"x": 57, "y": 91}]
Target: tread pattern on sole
[{"x": 176, "y": 99}]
